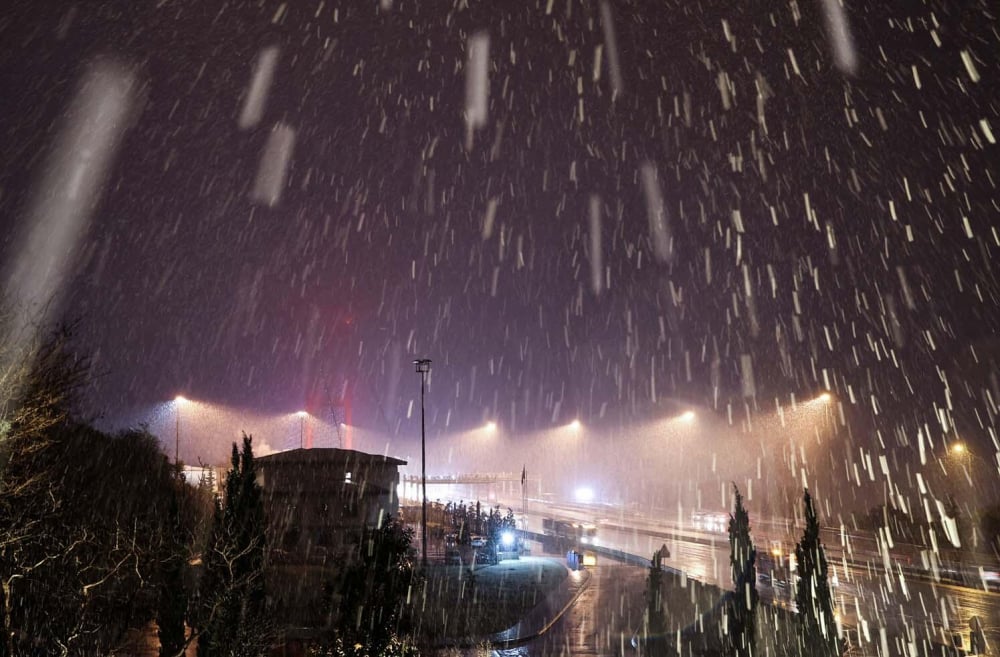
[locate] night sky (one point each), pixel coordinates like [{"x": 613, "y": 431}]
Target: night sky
[{"x": 833, "y": 227}]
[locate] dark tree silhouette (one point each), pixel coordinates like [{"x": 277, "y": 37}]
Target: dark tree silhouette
[
  {"x": 173, "y": 598},
  {"x": 742, "y": 608},
  {"x": 817, "y": 628},
  {"x": 231, "y": 616},
  {"x": 656, "y": 625},
  {"x": 374, "y": 590}
]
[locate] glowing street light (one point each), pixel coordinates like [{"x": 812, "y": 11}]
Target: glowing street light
[
  {"x": 688, "y": 416},
  {"x": 179, "y": 401},
  {"x": 958, "y": 448},
  {"x": 575, "y": 425},
  {"x": 302, "y": 427},
  {"x": 825, "y": 397},
  {"x": 491, "y": 427}
]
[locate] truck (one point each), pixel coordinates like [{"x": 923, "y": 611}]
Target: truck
[{"x": 582, "y": 533}]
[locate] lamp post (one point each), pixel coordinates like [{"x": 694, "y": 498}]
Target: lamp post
[
  {"x": 423, "y": 366},
  {"x": 178, "y": 401},
  {"x": 302, "y": 428}
]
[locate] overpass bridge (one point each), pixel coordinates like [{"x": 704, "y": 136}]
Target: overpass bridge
[
  {"x": 469, "y": 478},
  {"x": 468, "y": 485}
]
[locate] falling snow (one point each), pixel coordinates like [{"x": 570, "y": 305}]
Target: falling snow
[{"x": 659, "y": 250}]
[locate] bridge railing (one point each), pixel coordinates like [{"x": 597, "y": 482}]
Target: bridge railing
[{"x": 466, "y": 478}]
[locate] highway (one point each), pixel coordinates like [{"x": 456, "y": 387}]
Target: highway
[{"x": 881, "y": 615}]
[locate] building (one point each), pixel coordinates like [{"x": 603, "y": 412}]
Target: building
[
  {"x": 209, "y": 476},
  {"x": 317, "y": 502}
]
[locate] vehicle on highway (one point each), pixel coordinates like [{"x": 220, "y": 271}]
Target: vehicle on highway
[
  {"x": 776, "y": 567},
  {"x": 573, "y": 532},
  {"x": 716, "y": 522},
  {"x": 990, "y": 579}
]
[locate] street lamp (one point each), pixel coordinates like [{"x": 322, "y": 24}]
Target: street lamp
[
  {"x": 575, "y": 425},
  {"x": 302, "y": 427},
  {"x": 179, "y": 400},
  {"x": 423, "y": 366},
  {"x": 491, "y": 427}
]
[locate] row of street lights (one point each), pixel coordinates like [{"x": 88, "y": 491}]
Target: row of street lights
[
  {"x": 180, "y": 401},
  {"x": 423, "y": 366}
]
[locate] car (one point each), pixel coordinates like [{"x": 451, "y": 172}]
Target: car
[
  {"x": 478, "y": 541},
  {"x": 453, "y": 557},
  {"x": 990, "y": 579}
]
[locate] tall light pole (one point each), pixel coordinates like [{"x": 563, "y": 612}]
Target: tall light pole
[
  {"x": 302, "y": 428},
  {"x": 178, "y": 402},
  {"x": 423, "y": 367}
]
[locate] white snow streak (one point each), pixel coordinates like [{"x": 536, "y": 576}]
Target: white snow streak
[
  {"x": 659, "y": 232},
  {"x": 838, "y": 31},
  {"x": 477, "y": 80},
  {"x": 273, "y": 167},
  {"x": 611, "y": 43},
  {"x": 260, "y": 86},
  {"x": 596, "y": 254},
  {"x": 70, "y": 189}
]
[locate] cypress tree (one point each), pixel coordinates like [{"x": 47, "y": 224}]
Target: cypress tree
[
  {"x": 742, "y": 607},
  {"x": 817, "y": 628},
  {"x": 656, "y": 626},
  {"x": 172, "y": 603},
  {"x": 231, "y": 609}
]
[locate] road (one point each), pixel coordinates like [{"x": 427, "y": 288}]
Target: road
[
  {"x": 600, "y": 623},
  {"x": 881, "y": 615}
]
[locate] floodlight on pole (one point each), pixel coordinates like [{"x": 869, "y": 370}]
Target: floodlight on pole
[
  {"x": 423, "y": 366},
  {"x": 179, "y": 401},
  {"x": 302, "y": 427}
]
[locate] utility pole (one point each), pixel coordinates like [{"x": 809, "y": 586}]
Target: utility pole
[
  {"x": 423, "y": 367},
  {"x": 179, "y": 401},
  {"x": 302, "y": 428}
]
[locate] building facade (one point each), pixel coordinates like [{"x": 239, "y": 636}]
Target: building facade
[{"x": 317, "y": 502}]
